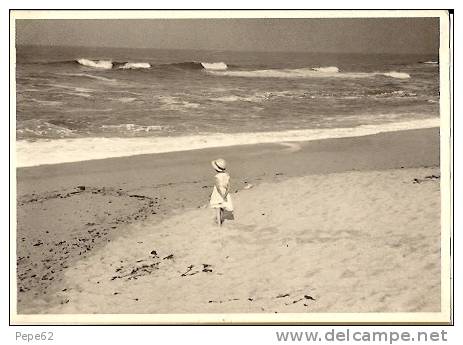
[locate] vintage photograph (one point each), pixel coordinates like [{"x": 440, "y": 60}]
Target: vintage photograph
[{"x": 228, "y": 166}]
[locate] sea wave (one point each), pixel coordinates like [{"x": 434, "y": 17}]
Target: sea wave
[
  {"x": 101, "y": 64},
  {"x": 41, "y": 152},
  {"x": 392, "y": 94},
  {"x": 42, "y": 129},
  {"x": 193, "y": 65},
  {"x": 223, "y": 69},
  {"x": 399, "y": 75},
  {"x": 135, "y": 65},
  {"x": 319, "y": 72},
  {"x": 85, "y": 75},
  {"x": 125, "y": 99},
  {"x": 331, "y": 69},
  {"x": 262, "y": 96},
  {"x": 176, "y": 103},
  {"x": 45, "y": 103},
  {"x": 198, "y": 65},
  {"x": 256, "y": 97},
  {"x": 131, "y": 128},
  {"x": 259, "y": 97},
  {"x": 108, "y": 64},
  {"x": 214, "y": 66}
]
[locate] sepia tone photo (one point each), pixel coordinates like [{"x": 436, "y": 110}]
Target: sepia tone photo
[{"x": 208, "y": 167}]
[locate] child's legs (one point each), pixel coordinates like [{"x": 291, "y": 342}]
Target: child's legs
[{"x": 219, "y": 216}]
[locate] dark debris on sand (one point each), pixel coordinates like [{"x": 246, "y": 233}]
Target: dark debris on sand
[
  {"x": 141, "y": 267},
  {"x": 48, "y": 242},
  {"x": 284, "y": 296},
  {"x": 426, "y": 179},
  {"x": 191, "y": 270}
]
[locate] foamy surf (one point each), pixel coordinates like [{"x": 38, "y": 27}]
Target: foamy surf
[
  {"x": 398, "y": 75},
  {"x": 81, "y": 149},
  {"x": 102, "y": 64},
  {"x": 214, "y": 66},
  {"x": 135, "y": 65},
  {"x": 301, "y": 73},
  {"x": 331, "y": 69},
  {"x": 84, "y": 75},
  {"x": 131, "y": 128},
  {"x": 108, "y": 64}
]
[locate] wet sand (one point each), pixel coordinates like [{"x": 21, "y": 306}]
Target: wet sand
[{"x": 78, "y": 221}]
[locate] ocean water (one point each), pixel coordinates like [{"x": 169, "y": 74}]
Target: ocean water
[{"x": 86, "y": 103}]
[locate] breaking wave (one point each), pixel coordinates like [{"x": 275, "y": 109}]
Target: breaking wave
[
  {"x": 223, "y": 69},
  {"x": 41, "y": 129},
  {"x": 399, "y": 75},
  {"x": 198, "y": 65},
  {"x": 108, "y": 64},
  {"x": 214, "y": 66},
  {"x": 135, "y": 65},
  {"x": 318, "y": 72},
  {"x": 101, "y": 64}
]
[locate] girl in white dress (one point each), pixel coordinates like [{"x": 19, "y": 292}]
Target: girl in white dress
[{"x": 220, "y": 197}]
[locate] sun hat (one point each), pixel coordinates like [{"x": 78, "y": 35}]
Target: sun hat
[{"x": 219, "y": 164}]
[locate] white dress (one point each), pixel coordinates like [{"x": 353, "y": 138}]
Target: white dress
[{"x": 222, "y": 181}]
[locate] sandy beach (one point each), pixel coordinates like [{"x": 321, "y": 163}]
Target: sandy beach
[{"x": 336, "y": 225}]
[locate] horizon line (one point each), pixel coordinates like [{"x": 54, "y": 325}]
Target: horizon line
[{"x": 224, "y": 50}]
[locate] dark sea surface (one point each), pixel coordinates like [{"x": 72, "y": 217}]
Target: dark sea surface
[{"x": 85, "y": 103}]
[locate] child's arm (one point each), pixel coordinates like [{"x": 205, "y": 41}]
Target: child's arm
[
  {"x": 227, "y": 189},
  {"x": 219, "y": 189},
  {"x": 226, "y": 193}
]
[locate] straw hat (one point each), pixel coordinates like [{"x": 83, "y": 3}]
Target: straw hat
[{"x": 219, "y": 164}]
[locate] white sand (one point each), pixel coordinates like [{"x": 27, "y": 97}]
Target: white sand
[{"x": 354, "y": 242}]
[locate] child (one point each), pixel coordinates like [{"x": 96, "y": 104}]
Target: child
[{"x": 221, "y": 198}]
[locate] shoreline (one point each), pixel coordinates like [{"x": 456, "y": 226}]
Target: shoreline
[
  {"x": 60, "y": 222},
  {"x": 68, "y": 150},
  {"x": 382, "y": 142}
]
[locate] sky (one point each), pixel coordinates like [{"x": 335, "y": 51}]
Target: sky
[{"x": 343, "y": 35}]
